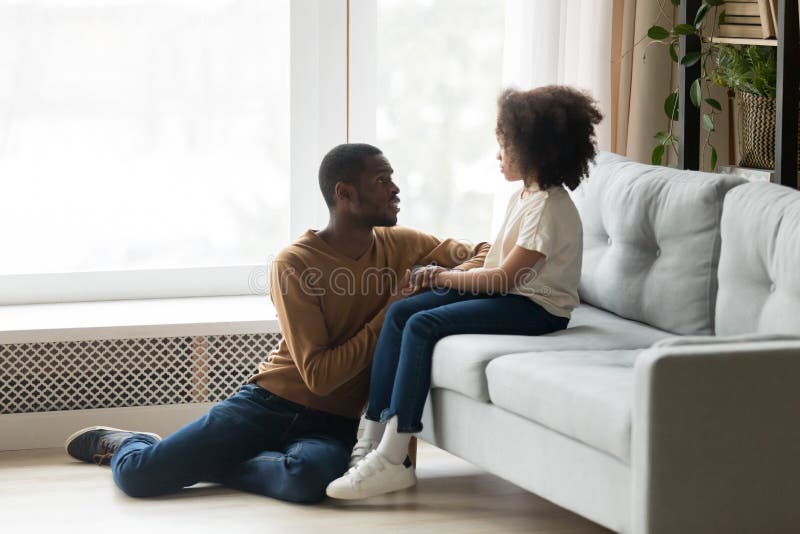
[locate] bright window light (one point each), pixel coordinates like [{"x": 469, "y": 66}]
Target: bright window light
[
  {"x": 439, "y": 69},
  {"x": 142, "y": 134}
]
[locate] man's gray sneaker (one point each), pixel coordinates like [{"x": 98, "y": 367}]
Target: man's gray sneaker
[{"x": 96, "y": 444}]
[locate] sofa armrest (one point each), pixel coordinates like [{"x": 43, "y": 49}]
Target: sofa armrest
[
  {"x": 721, "y": 340},
  {"x": 716, "y": 437}
]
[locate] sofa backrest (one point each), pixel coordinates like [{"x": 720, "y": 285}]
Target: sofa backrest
[
  {"x": 759, "y": 269},
  {"x": 651, "y": 240}
]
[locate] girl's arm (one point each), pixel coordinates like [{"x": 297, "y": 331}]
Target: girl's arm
[{"x": 516, "y": 269}]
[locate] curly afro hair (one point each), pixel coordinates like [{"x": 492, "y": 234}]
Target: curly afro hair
[{"x": 549, "y": 133}]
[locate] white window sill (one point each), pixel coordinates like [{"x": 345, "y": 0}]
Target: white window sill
[{"x": 74, "y": 321}]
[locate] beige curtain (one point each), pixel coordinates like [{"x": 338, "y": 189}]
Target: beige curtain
[{"x": 641, "y": 78}]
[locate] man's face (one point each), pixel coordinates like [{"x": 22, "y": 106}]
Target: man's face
[{"x": 376, "y": 201}]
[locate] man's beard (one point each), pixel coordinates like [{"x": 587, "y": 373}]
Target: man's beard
[{"x": 382, "y": 220}]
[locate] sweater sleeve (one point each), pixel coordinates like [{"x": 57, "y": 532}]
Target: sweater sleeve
[
  {"x": 478, "y": 258},
  {"x": 455, "y": 254},
  {"x": 323, "y": 367}
]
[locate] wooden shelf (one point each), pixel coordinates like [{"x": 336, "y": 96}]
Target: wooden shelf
[
  {"x": 744, "y": 41},
  {"x": 787, "y": 42}
]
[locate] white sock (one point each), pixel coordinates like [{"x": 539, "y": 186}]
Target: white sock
[
  {"x": 394, "y": 444},
  {"x": 373, "y": 430}
]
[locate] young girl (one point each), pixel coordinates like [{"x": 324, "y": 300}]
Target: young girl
[{"x": 528, "y": 285}]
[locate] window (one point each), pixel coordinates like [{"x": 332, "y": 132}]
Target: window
[
  {"x": 439, "y": 68},
  {"x": 148, "y": 134},
  {"x": 435, "y": 115},
  {"x": 165, "y": 148}
]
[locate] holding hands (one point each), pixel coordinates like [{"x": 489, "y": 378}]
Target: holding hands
[
  {"x": 425, "y": 277},
  {"x": 414, "y": 281}
]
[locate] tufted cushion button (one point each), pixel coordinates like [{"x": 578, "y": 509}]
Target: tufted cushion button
[
  {"x": 772, "y": 287},
  {"x": 609, "y": 240},
  {"x": 658, "y": 252}
]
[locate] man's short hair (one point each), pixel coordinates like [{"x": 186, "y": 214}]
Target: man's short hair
[{"x": 343, "y": 163}]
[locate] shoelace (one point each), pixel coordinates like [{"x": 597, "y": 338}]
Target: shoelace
[
  {"x": 108, "y": 447},
  {"x": 100, "y": 459}
]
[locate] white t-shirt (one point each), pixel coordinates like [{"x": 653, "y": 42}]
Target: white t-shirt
[{"x": 548, "y": 222}]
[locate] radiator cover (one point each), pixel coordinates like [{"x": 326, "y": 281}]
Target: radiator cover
[{"x": 114, "y": 373}]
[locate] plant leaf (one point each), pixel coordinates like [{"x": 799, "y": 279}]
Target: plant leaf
[
  {"x": 751, "y": 69},
  {"x": 658, "y": 153},
  {"x": 658, "y": 33},
  {"x": 684, "y": 29},
  {"x": 714, "y": 104},
  {"x": 676, "y": 2},
  {"x": 721, "y": 18},
  {"x": 690, "y": 58},
  {"x": 673, "y": 52},
  {"x": 662, "y": 137},
  {"x": 708, "y": 122},
  {"x": 696, "y": 93},
  {"x": 713, "y": 158},
  {"x": 671, "y": 107},
  {"x": 701, "y": 15}
]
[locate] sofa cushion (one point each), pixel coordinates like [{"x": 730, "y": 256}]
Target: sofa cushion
[
  {"x": 459, "y": 362},
  {"x": 651, "y": 242},
  {"x": 759, "y": 269},
  {"x": 586, "y": 395}
]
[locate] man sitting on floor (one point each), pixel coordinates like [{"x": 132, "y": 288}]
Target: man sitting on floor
[{"x": 290, "y": 430}]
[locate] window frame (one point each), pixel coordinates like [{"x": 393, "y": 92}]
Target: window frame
[{"x": 318, "y": 120}]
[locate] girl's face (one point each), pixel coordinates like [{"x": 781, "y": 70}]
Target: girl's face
[{"x": 508, "y": 164}]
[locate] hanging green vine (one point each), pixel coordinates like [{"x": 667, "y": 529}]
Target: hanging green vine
[{"x": 706, "y": 20}]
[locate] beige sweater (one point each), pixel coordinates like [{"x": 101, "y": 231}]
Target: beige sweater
[{"x": 331, "y": 308}]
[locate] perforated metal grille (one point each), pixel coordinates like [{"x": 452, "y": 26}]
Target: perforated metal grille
[{"x": 79, "y": 375}]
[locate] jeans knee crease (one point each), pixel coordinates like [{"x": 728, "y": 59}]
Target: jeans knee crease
[{"x": 296, "y": 451}]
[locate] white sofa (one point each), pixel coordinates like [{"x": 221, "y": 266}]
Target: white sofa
[{"x": 671, "y": 404}]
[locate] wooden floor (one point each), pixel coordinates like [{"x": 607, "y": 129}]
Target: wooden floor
[{"x": 45, "y": 491}]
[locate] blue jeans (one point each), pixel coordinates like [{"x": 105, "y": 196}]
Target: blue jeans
[
  {"x": 401, "y": 369},
  {"x": 254, "y": 441}
]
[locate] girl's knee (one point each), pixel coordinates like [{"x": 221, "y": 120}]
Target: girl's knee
[
  {"x": 398, "y": 313},
  {"x": 422, "y": 323}
]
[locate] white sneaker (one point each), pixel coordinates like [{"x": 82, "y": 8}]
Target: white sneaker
[
  {"x": 374, "y": 475},
  {"x": 361, "y": 450}
]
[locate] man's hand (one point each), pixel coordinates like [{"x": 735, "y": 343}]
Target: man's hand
[
  {"x": 425, "y": 277},
  {"x": 404, "y": 289}
]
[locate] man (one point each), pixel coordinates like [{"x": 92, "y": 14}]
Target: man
[{"x": 290, "y": 430}]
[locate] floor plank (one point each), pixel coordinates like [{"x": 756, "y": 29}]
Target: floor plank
[{"x": 45, "y": 491}]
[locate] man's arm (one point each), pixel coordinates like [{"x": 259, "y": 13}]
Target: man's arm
[
  {"x": 457, "y": 255},
  {"x": 323, "y": 367},
  {"x": 477, "y": 259}
]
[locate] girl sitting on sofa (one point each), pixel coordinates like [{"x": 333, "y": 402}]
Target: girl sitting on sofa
[{"x": 528, "y": 285}]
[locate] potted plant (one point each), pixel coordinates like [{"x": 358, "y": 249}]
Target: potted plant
[
  {"x": 706, "y": 21},
  {"x": 751, "y": 73}
]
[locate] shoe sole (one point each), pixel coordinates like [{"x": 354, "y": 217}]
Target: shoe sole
[
  {"x": 353, "y": 497},
  {"x": 89, "y": 429}
]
